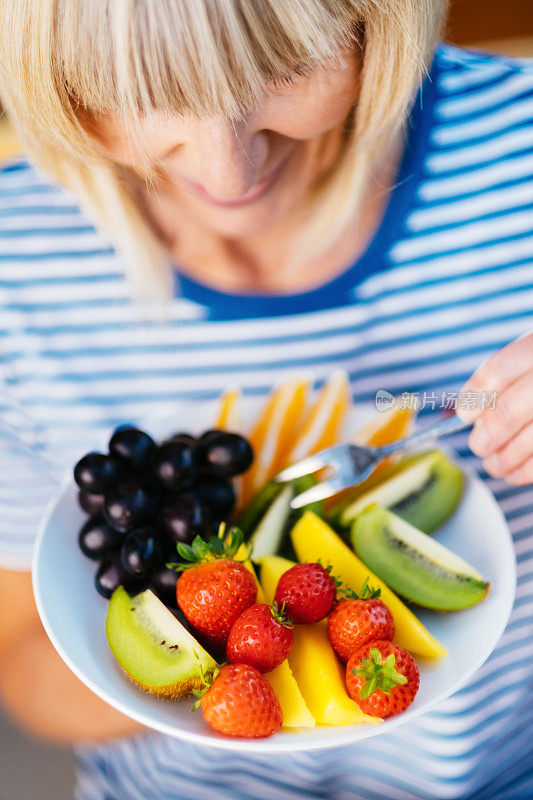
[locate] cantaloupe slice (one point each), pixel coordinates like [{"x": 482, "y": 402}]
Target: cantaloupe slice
[
  {"x": 277, "y": 423},
  {"x": 313, "y": 539}
]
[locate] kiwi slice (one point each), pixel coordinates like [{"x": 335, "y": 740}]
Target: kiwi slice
[
  {"x": 423, "y": 489},
  {"x": 153, "y": 647},
  {"x": 414, "y": 565}
]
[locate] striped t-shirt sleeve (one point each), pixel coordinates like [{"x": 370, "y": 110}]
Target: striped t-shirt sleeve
[{"x": 27, "y": 482}]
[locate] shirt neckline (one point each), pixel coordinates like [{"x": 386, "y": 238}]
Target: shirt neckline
[{"x": 373, "y": 259}]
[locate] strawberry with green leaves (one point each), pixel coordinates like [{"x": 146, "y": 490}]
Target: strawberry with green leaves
[
  {"x": 214, "y": 589},
  {"x": 261, "y": 637},
  {"x": 358, "y": 619},
  {"x": 382, "y": 678},
  {"x": 239, "y": 701}
]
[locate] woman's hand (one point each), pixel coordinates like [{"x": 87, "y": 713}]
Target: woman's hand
[{"x": 503, "y": 430}]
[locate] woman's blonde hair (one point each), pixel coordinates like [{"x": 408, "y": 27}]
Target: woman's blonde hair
[{"x": 64, "y": 60}]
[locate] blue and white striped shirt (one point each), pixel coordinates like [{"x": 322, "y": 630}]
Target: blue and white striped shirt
[{"x": 446, "y": 280}]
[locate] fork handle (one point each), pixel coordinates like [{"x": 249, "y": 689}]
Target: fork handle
[{"x": 442, "y": 428}]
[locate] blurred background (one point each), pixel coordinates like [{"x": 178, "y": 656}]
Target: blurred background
[{"x": 30, "y": 770}]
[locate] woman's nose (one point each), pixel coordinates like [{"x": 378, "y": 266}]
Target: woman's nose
[{"x": 225, "y": 158}]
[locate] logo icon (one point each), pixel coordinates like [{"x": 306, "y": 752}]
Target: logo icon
[{"x": 384, "y": 400}]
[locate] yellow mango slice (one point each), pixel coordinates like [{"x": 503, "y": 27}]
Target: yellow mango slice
[
  {"x": 271, "y": 570},
  {"x": 295, "y": 711},
  {"x": 260, "y": 594},
  {"x": 313, "y": 539},
  {"x": 320, "y": 677}
]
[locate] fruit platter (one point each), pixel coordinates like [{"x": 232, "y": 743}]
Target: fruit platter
[{"x": 172, "y": 574}]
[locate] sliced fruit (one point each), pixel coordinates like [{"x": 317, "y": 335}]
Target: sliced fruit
[
  {"x": 267, "y": 537},
  {"x": 423, "y": 489},
  {"x": 276, "y": 425},
  {"x": 260, "y": 594},
  {"x": 387, "y": 426},
  {"x": 272, "y": 568},
  {"x": 313, "y": 539},
  {"x": 153, "y": 647},
  {"x": 258, "y": 506},
  {"x": 295, "y": 711},
  {"x": 414, "y": 565},
  {"x": 323, "y": 424},
  {"x": 320, "y": 677},
  {"x": 228, "y": 414}
]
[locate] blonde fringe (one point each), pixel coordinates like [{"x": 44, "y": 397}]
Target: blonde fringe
[{"x": 62, "y": 60}]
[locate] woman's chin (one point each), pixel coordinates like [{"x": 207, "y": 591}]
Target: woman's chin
[{"x": 246, "y": 220}]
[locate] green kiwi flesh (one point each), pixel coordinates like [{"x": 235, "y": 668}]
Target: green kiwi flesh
[
  {"x": 152, "y": 646},
  {"x": 414, "y": 565},
  {"x": 423, "y": 489}
]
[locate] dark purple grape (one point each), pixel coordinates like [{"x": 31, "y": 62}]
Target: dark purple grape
[
  {"x": 175, "y": 465},
  {"x": 141, "y": 552},
  {"x": 132, "y": 447},
  {"x": 127, "y": 506},
  {"x": 225, "y": 455},
  {"x": 95, "y": 473},
  {"x": 184, "y": 519},
  {"x": 208, "y": 435},
  {"x": 163, "y": 583},
  {"x": 183, "y": 438},
  {"x": 215, "y": 493},
  {"x": 91, "y": 503},
  {"x": 112, "y": 574},
  {"x": 109, "y": 576},
  {"x": 97, "y": 540}
]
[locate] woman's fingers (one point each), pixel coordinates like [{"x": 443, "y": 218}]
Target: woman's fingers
[
  {"x": 513, "y": 455},
  {"x": 523, "y": 475},
  {"x": 513, "y": 410},
  {"x": 498, "y": 372}
]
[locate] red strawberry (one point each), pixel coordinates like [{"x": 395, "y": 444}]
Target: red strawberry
[
  {"x": 241, "y": 702},
  {"x": 382, "y": 678},
  {"x": 215, "y": 590},
  {"x": 261, "y": 637},
  {"x": 308, "y": 592},
  {"x": 357, "y": 620}
]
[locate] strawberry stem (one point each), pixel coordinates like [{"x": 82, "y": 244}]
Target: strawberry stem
[
  {"x": 366, "y": 593},
  {"x": 200, "y": 551},
  {"x": 280, "y": 616},
  {"x": 378, "y": 674},
  {"x": 208, "y": 678}
]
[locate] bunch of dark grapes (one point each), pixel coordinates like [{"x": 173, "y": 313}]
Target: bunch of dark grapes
[{"x": 143, "y": 498}]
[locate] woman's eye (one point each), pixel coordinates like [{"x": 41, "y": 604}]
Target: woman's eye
[{"x": 300, "y": 71}]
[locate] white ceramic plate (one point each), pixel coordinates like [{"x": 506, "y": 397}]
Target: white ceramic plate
[{"x": 73, "y": 615}]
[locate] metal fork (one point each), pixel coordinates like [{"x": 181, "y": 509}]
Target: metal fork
[{"x": 353, "y": 463}]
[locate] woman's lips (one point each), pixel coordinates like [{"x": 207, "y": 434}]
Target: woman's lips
[{"x": 251, "y": 195}]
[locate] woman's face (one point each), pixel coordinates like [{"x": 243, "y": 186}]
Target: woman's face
[{"x": 241, "y": 178}]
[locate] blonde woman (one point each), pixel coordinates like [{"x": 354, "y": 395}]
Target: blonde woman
[{"x": 224, "y": 191}]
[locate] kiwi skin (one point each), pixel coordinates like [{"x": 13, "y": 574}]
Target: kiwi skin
[
  {"x": 175, "y": 691},
  {"x": 429, "y": 507}
]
